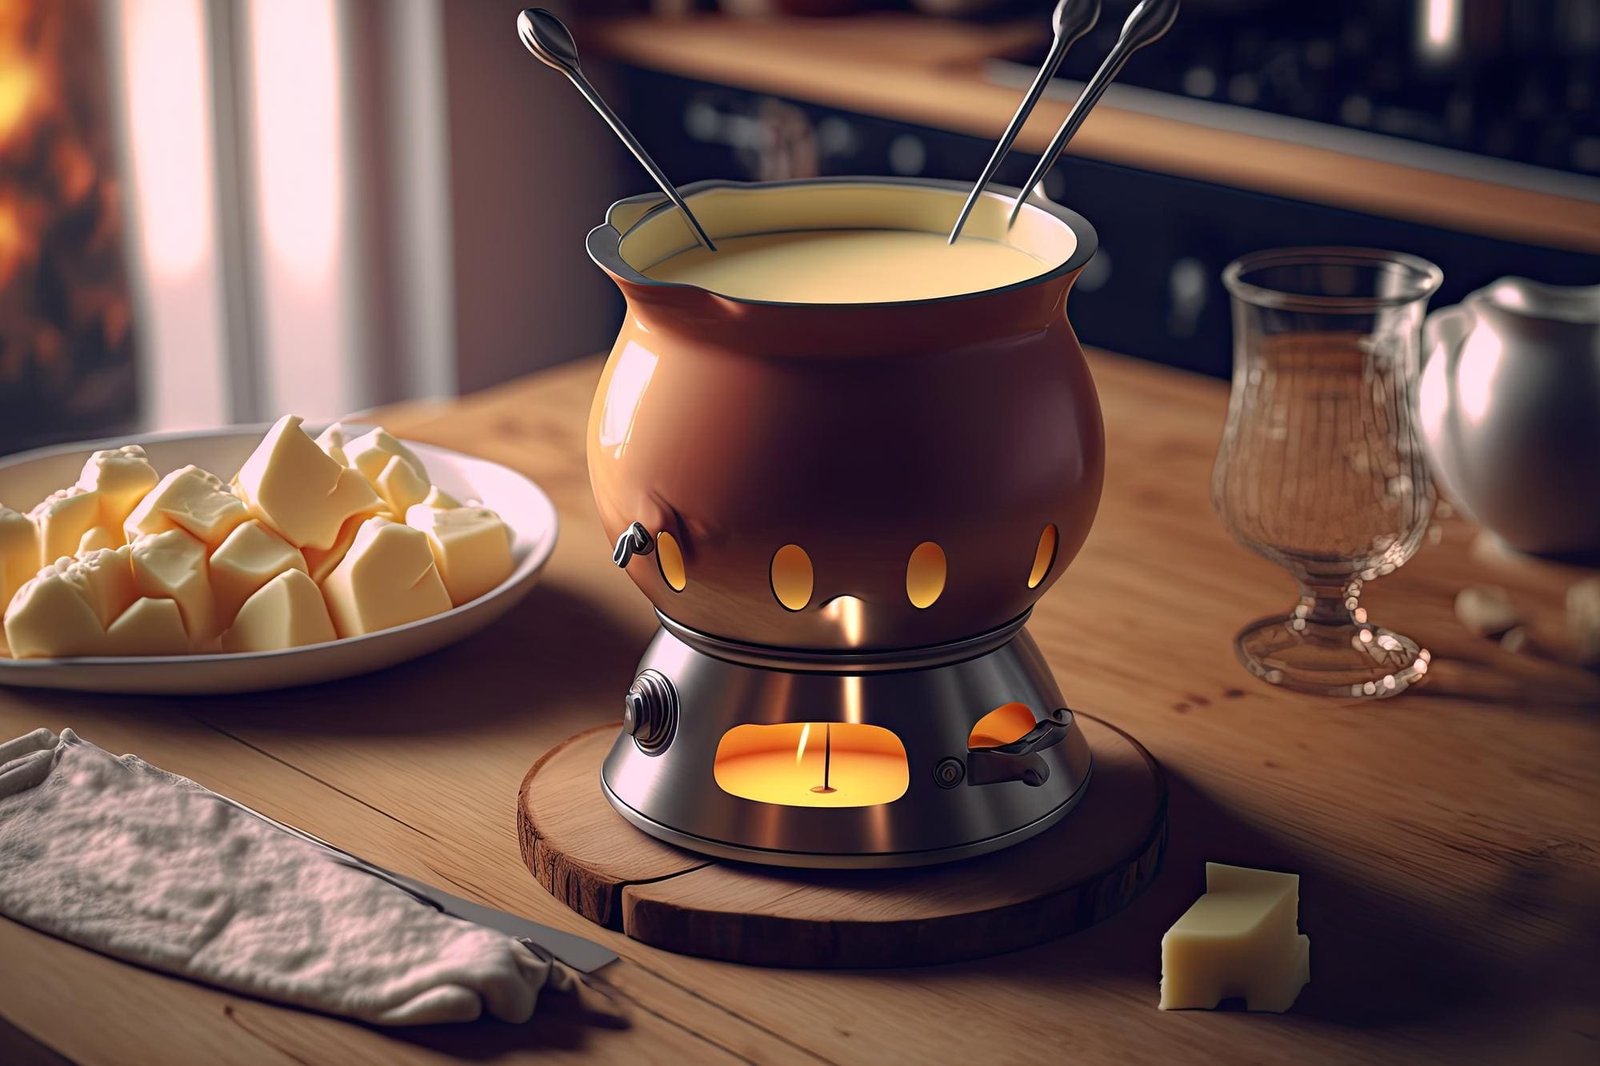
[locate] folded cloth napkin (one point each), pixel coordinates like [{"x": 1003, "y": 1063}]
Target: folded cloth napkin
[{"x": 133, "y": 862}]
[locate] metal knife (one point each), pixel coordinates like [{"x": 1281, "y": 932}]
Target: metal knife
[{"x": 582, "y": 955}]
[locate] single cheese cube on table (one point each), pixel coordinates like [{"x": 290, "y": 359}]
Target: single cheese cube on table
[
  {"x": 149, "y": 627},
  {"x": 251, "y": 556},
  {"x": 193, "y": 500},
  {"x": 387, "y": 578},
  {"x": 296, "y": 489},
  {"x": 286, "y": 612},
  {"x": 392, "y": 469},
  {"x": 172, "y": 566},
  {"x": 64, "y": 518},
  {"x": 471, "y": 547},
  {"x": 1241, "y": 938},
  {"x": 65, "y": 609},
  {"x": 122, "y": 476}
]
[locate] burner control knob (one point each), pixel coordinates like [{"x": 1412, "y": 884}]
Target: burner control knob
[{"x": 650, "y": 712}]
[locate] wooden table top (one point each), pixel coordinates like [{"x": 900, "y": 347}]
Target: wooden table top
[{"x": 1447, "y": 839}]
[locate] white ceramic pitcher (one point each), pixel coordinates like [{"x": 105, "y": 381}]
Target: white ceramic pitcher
[{"x": 1510, "y": 409}]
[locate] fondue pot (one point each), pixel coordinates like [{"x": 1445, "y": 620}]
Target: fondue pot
[{"x": 843, "y": 514}]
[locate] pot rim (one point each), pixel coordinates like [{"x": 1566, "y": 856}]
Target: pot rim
[{"x": 605, "y": 240}]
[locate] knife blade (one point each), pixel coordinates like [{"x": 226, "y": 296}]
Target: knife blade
[{"x": 582, "y": 955}]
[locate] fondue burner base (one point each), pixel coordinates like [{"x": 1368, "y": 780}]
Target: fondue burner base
[
  {"x": 845, "y": 760},
  {"x": 1080, "y": 871}
]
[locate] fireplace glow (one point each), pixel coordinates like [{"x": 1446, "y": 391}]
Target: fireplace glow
[{"x": 812, "y": 764}]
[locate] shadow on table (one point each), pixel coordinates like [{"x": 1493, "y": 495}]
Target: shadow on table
[
  {"x": 566, "y": 1022},
  {"x": 555, "y": 648},
  {"x": 1376, "y": 959}
]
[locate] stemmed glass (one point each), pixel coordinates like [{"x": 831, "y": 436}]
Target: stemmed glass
[{"x": 1321, "y": 468}]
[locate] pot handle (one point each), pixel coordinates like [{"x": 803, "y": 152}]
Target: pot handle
[{"x": 635, "y": 540}]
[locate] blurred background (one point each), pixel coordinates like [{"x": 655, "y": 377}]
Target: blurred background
[{"x": 223, "y": 210}]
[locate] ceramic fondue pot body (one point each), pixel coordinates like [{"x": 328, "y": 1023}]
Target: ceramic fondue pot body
[
  {"x": 1510, "y": 408},
  {"x": 845, "y": 476}
]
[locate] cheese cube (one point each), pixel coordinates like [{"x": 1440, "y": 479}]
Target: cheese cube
[
  {"x": 63, "y": 518},
  {"x": 100, "y": 537},
  {"x": 294, "y": 487},
  {"x": 286, "y": 612},
  {"x": 250, "y": 557},
  {"x": 172, "y": 566},
  {"x": 103, "y": 578},
  {"x": 393, "y": 470},
  {"x": 48, "y": 618},
  {"x": 387, "y": 578},
  {"x": 65, "y": 609},
  {"x": 439, "y": 498},
  {"x": 331, "y": 441},
  {"x": 1241, "y": 938},
  {"x": 122, "y": 476},
  {"x": 19, "y": 552},
  {"x": 149, "y": 627},
  {"x": 19, "y": 559},
  {"x": 470, "y": 545},
  {"x": 321, "y": 561},
  {"x": 192, "y": 500}
]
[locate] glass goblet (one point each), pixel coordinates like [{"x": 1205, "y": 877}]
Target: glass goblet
[{"x": 1321, "y": 468}]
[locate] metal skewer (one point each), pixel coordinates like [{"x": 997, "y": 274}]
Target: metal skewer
[
  {"x": 548, "y": 38},
  {"x": 1148, "y": 23},
  {"x": 1070, "y": 21}
]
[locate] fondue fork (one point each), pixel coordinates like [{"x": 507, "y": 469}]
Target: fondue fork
[
  {"x": 1070, "y": 21},
  {"x": 1147, "y": 24},
  {"x": 548, "y": 38}
]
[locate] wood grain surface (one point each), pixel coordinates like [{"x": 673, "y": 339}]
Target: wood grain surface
[
  {"x": 929, "y": 72},
  {"x": 1447, "y": 839},
  {"x": 1083, "y": 870}
]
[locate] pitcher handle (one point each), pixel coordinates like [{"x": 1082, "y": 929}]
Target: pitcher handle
[{"x": 1446, "y": 328}]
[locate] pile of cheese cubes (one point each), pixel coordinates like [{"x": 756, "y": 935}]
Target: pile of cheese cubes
[{"x": 312, "y": 540}]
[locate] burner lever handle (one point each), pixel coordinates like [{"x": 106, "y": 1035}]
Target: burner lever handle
[
  {"x": 635, "y": 540},
  {"x": 1019, "y": 760}
]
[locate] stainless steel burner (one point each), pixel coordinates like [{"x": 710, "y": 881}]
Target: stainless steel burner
[{"x": 665, "y": 774}]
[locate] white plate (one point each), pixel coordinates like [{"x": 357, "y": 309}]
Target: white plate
[{"x": 27, "y": 478}]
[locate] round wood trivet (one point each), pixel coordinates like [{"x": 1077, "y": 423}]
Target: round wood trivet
[{"x": 1085, "y": 868}]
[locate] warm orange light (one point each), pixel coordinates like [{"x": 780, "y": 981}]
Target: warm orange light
[
  {"x": 1002, "y": 725},
  {"x": 925, "y": 574},
  {"x": 812, "y": 764},
  {"x": 1044, "y": 556},
  {"x": 792, "y": 577},
  {"x": 19, "y": 85},
  {"x": 669, "y": 557}
]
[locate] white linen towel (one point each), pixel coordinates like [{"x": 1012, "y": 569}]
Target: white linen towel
[{"x": 130, "y": 861}]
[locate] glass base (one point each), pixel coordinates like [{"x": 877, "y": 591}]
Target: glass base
[{"x": 1350, "y": 659}]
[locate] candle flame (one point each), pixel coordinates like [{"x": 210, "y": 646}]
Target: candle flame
[{"x": 800, "y": 748}]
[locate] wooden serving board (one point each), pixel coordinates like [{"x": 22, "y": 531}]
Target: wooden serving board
[{"x": 1080, "y": 871}]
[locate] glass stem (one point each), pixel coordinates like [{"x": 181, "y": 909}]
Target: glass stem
[{"x": 1328, "y": 603}]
